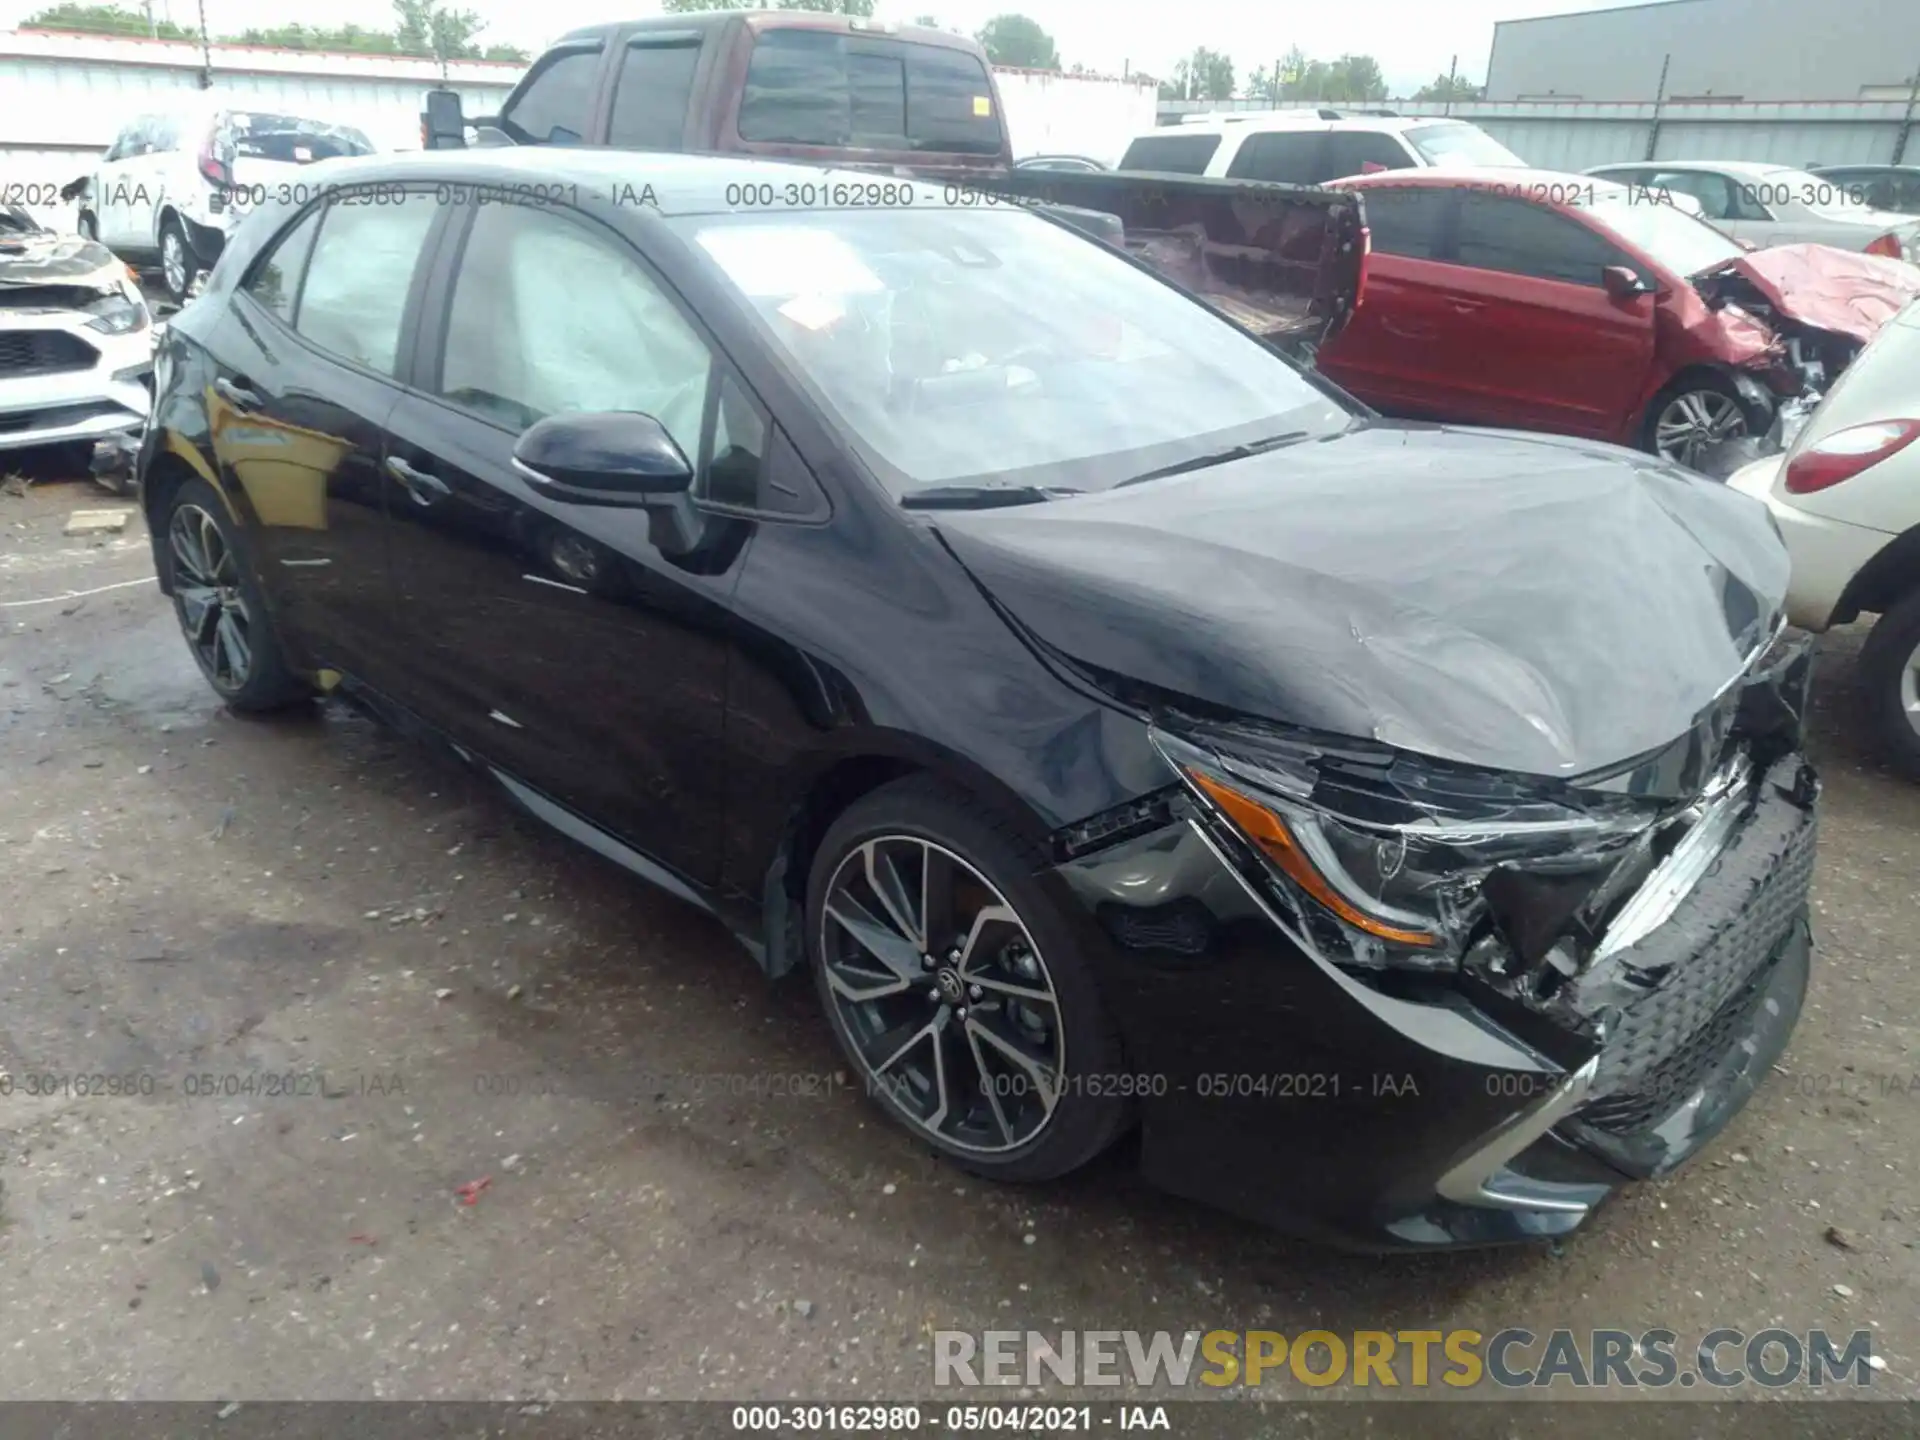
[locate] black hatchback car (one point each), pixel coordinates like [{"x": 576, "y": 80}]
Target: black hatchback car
[{"x": 1405, "y": 829}]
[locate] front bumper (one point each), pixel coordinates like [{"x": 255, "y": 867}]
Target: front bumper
[
  {"x": 60, "y": 381},
  {"x": 1398, "y": 1115}
]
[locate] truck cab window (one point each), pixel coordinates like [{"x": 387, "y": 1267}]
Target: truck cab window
[
  {"x": 650, "y": 98},
  {"x": 553, "y": 102}
]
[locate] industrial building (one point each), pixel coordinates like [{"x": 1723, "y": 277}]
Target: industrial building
[{"x": 1723, "y": 50}]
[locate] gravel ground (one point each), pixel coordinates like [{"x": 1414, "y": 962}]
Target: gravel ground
[{"x": 468, "y": 1001}]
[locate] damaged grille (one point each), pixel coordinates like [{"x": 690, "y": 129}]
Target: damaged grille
[
  {"x": 43, "y": 352},
  {"x": 1682, "y": 996}
]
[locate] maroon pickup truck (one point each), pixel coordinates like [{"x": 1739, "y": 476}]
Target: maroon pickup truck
[{"x": 1284, "y": 261}]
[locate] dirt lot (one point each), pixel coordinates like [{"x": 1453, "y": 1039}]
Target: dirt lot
[{"x": 191, "y": 899}]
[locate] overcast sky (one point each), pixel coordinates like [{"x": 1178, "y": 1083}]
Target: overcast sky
[{"x": 1412, "y": 39}]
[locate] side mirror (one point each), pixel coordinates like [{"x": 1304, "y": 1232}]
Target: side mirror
[
  {"x": 1622, "y": 283},
  {"x": 442, "y": 126},
  {"x": 614, "y": 458}
]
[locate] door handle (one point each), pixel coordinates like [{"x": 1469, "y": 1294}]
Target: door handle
[
  {"x": 424, "y": 488},
  {"x": 1467, "y": 307},
  {"x": 237, "y": 396}
]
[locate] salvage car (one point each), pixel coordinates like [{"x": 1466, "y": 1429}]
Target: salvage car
[
  {"x": 1310, "y": 147},
  {"x": 1406, "y": 829},
  {"x": 172, "y": 184},
  {"x": 76, "y": 343},
  {"x": 1777, "y": 205},
  {"x": 1845, "y": 491},
  {"x": 1553, "y": 302}
]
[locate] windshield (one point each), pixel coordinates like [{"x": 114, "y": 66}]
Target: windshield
[
  {"x": 1666, "y": 234},
  {"x": 1458, "y": 143},
  {"x": 994, "y": 348}
]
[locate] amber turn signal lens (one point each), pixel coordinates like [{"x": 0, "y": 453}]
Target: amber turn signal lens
[{"x": 1268, "y": 831}]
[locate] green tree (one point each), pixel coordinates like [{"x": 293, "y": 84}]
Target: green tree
[
  {"x": 1356, "y": 77},
  {"x": 821, "y": 7},
  {"x": 427, "y": 28},
  {"x": 1017, "y": 40},
  {"x": 349, "y": 38},
  {"x": 105, "y": 20},
  {"x": 1450, "y": 87},
  {"x": 1204, "y": 75}
]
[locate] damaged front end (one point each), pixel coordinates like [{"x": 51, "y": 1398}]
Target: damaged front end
[{"x": 1644, "y": 930}]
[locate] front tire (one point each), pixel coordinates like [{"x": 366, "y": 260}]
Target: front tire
[
  {"x": 1692, "y": 414},
  {"x": 955, "y": 987},
  {"x": 1890, "y": 673},
  {"x": 217, "y": 600}
]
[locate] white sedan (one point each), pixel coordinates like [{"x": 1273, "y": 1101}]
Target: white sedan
[
  {"x": 1846, "y": 494},
  {"x": 1768, "y": 205}
]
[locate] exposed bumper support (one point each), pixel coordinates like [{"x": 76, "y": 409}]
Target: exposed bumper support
[{"x": 1477, "y": 1179}]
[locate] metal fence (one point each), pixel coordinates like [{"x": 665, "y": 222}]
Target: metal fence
[{"x": 1572, "y": 135}]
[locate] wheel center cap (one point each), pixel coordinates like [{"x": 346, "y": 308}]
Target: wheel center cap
[{"x": 952, "y": 988}]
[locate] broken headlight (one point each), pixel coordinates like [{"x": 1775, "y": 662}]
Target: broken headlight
[
  {"x": 1385, "y": 861},
  {"x": 120, "y": 311}
]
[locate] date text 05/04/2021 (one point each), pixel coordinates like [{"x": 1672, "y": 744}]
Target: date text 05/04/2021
[{"x": 909, "y": 1419}]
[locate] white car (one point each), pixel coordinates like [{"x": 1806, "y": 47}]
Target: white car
[
  {"x": 1777, "y": 205},
  {"x": 1846, "y": 494},
  {"x": 76, "y": 342},
  {"x": 172, "y": 185},
  {"x": 1311, "y": 147}
]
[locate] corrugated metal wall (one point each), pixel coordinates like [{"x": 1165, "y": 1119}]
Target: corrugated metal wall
[{"x": 1571, "y": 135}]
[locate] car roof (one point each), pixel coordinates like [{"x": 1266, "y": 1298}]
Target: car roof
[
  {"x": 1730, "y": 167},
  {"x": 669, "y": 183},
  {"x": 1875, "y": 167},
  {"x": 704, "y": 20},
  {"x": 1220, "y": 122},
  {"x": 1523, "y": 182}
]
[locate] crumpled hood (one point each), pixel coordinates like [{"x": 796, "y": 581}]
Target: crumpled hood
[
  {"x": 1526, "y": 603},
  {"x": 1829, "y": 289},
  {"x": 49, "y": 259}
]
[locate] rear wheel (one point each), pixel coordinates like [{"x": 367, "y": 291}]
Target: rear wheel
[
  {"x": 1890, "y": 672},
  {"x": 178, "y": 263},
  {"x": 1692, "y": 414},
  {"x": 219, "y": 606},
  {"x": 956, "y": 988}
]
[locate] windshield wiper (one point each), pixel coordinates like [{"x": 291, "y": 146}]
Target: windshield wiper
[
  {"x": 1218, "y": 457},
  {"x": 980, "y": 497}
]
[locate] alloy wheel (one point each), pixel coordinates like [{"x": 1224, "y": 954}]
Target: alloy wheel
[
  {"x": 1910, "y": 688},
  {"x": 173, "y": 262},
  {"x": 206, "y": 585},
  {"x": 1695, "y": 420},
  {"x": 943, "y": 993}
]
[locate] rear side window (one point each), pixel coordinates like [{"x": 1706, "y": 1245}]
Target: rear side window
[
  {"x": 355, "y": 292},
  {"x": 1171, "y": 154},
  {"x": 1407, "y": 220},
  {"x": 1350, "y": 152},
  {"x": 651, "y": 96},
  {"x": 814, "y": 87},
  {"x": 289, "y": 139},
  {"x": 276, "y": 279},
  {"x": 553, "y": 107},
  {"x": 1522, "y": 239},
  {"x": 1285, "y": 157}
]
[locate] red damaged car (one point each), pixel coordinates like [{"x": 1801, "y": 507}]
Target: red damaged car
[{"x": 1538, "y": 301}]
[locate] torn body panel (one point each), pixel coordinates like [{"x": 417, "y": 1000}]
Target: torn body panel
[{"x": 1283, "y": 261}]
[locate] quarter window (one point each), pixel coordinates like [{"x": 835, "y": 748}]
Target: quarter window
[
  {"x": 1406, "y": 219},
  {"x": 813, "y": 87},
  {"x": 276, "y": 279},
  {"x": 1171, "y": 154},
  {"x": 525, "y": 339},
  {"x": 1523, "y": 239},
  {"x": 355, "y": 294}
]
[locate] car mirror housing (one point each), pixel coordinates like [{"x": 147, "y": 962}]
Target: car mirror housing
[
  {"x": 1622, "y": 283},
  {"x": 614, "y": 458}
]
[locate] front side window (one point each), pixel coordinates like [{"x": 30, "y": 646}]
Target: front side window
[
  {"x": 527, "y": 339},
  {"x": 1359, "y": 152},
  {"x": 553, "y": 105},
  {"x": 650, "y": 99},
  {"x": 815, "y": 87},
  {"x": 1171, "y": 154},
  {"x": 360, "y": 273},
  {"x": 995, "y": 348},
  {"x": 1496, "y": 233},
  {"x": 1716, "y": 194}
]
